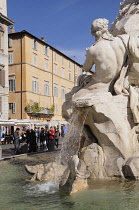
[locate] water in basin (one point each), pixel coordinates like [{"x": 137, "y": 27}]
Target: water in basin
[{"x": 16, "y": 193}]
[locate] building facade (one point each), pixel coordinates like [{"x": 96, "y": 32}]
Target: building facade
[
  {"x": 4, "y": 23},
  {"x": 39, "y": 78}
]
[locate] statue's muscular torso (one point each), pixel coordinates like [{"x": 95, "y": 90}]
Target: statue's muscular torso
[{"x": 108, "y": 57}]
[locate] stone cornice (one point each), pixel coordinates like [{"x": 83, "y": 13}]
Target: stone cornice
[{"x": 4, "y": 19}]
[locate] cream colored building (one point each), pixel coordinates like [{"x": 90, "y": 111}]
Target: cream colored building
[
  {"x": 4, "y": 23},
  {"x": 39, "y": 77}
]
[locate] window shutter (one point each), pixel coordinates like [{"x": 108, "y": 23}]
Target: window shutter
[
  {"x": 48, "y": 51},
  {"x": 44, "y": 89},
  {"x": 37, "y": 87},
  {"x": 10, "y": 57},
  {"x": 36, "y": 45},
  {"x": 14, "y": 85},
  {"x": 44, "y": 50},
  {"x": 33, "y": 43},
  {"x": 48, "y": 91},
  {"x": 33, "y": 86},
  {"x": 13, "y": 111},
  {"x": 9, "y": 42}
]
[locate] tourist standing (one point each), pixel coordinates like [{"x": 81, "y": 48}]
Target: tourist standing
[
  {"x": 37, "y": 135},
  {"x": 42, "y": 139},
  {"x": 57, "y": 135},
  {"x": 47, "y": 136},
  {"x": 51, "y": 142},
  {"x": 28, "y": 136},
  {"x": 32, "y": 142},
  {"x": 16, "y": 141}
]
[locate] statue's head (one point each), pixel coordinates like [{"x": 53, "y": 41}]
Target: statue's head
[{"x": 99, "y": 26}]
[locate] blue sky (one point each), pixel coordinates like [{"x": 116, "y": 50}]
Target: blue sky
[{"x": 65, "y": 24}]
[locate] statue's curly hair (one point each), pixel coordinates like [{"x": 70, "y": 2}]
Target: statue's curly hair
[{"x": 101, "y": 23}]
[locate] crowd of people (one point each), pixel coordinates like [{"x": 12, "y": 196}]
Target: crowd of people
[{"x": 45, "y": 138}]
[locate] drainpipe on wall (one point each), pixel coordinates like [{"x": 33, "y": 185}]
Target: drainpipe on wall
[
  {"x": 52, "y": 78},
  {"x": 21, "y": 74}
]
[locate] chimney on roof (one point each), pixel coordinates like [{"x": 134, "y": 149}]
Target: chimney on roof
[
  {"x": 42, "y": 38},
  {"x": 12, "y": 29}
]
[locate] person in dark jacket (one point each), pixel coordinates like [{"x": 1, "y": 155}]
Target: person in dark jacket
[
  {"x": 42, "y": 139},
  {"x": 28, "y": 136},
  {"x": 16, "y": 141},
  {"x": 47, "y": 136},
  {"x": 57, "y": 135},
  {"x": 32, "y": 142}
]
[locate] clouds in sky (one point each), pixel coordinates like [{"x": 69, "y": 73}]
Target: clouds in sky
[
  {"x": 65, "y": 4},
  {"x": 60, "y": 6}
]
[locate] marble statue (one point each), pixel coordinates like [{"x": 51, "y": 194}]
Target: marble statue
[
  {"x": 111, "y": 57},
  {"x": 109, "y": 99}
]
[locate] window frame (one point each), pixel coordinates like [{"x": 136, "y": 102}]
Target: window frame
[
  {"x": 46, "y": 50},
  {"x": 46, "y": 64},
  {"x": 69, "y": 75},
  {"x": 46, "y": 84},
  {"x": 10, "y": 57},
  {"x": 34, "y": 44},
  {"x": 35, "y": 85},
  {"x": 12, "y": 87},
  {"x": 35, "y": 59},
  {"x": 13, "y": 108},
  {"x": 63, "y": 92},
  {"x": 55, "y": 68},
  {"x": 55, "y": 89}
]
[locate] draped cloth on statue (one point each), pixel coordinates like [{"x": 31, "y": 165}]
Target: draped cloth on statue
[{"x": 131, "y": 67}]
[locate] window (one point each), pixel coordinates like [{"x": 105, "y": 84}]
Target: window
[
  {"x": 54, "y": 56},
  {"x": 12, "y": 108},
  {"x": 63, "y": 72},
  {"x": 47, "y": 50},
  {"x": 69, "y": 75},
  {"x": 34, "y": 59},
  {"x": 63, "y": 92},
  {"x": 75, "y": 79},
  {"x": 79, "y": 70},
  {"x": 62, "y": 60},
  {"x": 55, "y": 90},
  {"x": 46, "y": 64},
  {"x": 46, "y": 88},
  {"x": 69, "y": 64},
  {"x": 56, "y": 108},
  {"x": 12, "y": 85},
  {"x": 35, "y": 85},
  {"x": 10, "y": 57},
  {"x": 10, "y": 42},
  {"x": 55, "y": 68},
  {"x": 34, "y": 44}
]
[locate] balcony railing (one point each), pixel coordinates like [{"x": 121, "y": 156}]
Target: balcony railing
[{"x": 41, "y": 112}]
